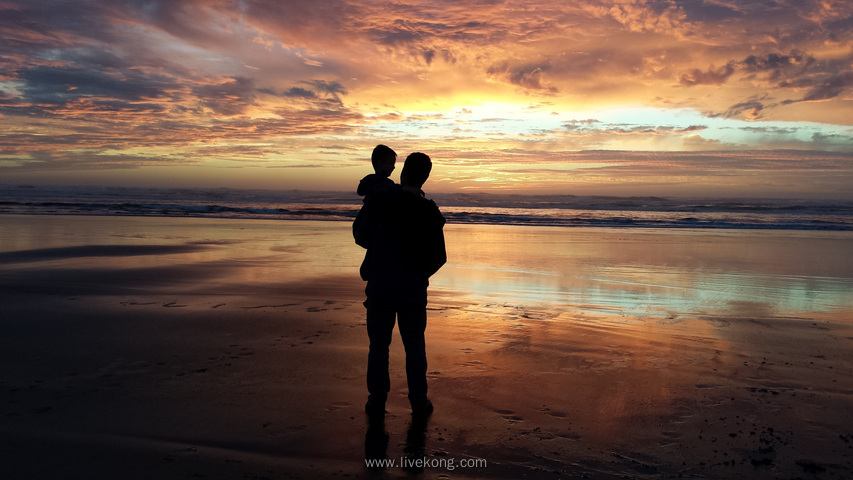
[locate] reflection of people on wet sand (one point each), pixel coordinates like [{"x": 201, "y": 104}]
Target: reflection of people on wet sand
[
  {"x": 376, "y": 441},
  {"x": 402, "y": 232},
  {"x": 414, "y": 450}
]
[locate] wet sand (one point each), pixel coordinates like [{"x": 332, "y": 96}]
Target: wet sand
[{"x": 195, "y": 348}]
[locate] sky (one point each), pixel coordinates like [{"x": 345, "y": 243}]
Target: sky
[{"x": 723, "y": 98}]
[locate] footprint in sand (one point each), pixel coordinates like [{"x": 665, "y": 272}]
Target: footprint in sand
[
  {"x": 338, "y": 406},
  {"x": 316, "y": 334},
  {"x": 232, "y": 355},
  {"x": 508, "y": 415},
  {"x": 283, "y": 305},
  {"x": 472, "y": 363}
]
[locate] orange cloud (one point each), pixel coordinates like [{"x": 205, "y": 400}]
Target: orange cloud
[{"x": 265, "y": 83}]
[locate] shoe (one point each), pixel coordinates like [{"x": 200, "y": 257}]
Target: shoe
[
  {"x": 374, "y": 408},
  {"x": 421, "y": 407}
]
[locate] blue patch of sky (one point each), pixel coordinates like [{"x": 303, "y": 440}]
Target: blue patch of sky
[{"x": 496, "y": 119}]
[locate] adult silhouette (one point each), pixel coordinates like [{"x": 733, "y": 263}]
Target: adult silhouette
[{"x": 403, "y": 233}]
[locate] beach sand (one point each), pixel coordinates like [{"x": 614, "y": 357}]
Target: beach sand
[{"x": 154, "y": 348}]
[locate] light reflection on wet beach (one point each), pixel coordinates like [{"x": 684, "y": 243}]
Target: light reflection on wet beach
[
  {"x": 651, "y": 272},
  {"x": 582, "y": 350},
  {"x": 630, "y": 272}
]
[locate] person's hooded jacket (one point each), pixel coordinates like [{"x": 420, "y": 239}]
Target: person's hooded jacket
[{"x": 403, "y": 234}]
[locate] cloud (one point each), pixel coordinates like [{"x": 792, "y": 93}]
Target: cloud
[
  {"x": 55, "y": 85},
  {"x": 198, "y": 22},
  {"x": 778, "y": 64},
  {"x": 74, "y": 91},
  {"x": 190, "y": 80},
  {"x": 711, "y": 76},
  {"x": 775, "y": 67},
  {"x": 65, "y": 161},
  {"x": 644, "y": 17},
  {"x": 232, "y": 96},
  {"x": 709, "y": 10},
  {"x": 55, "y": 24},
  {"x": 305, "y": 22},
  {"x": 299, "y": 92},
  {"x": 332, "y": 90},
  {"x": 320, "y": 93},
  {"x": 592, "y": 125},
  {"x": 528, "y": 77},
  {"x": 825, "y": 88},
  {"x": 750, "y": 110},
  {"x": 785, "y": 74}
]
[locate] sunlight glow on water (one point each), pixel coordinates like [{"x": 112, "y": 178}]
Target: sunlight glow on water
[
  {"x": 652, "y": 273},
  {"x": 634, "y": 272}
]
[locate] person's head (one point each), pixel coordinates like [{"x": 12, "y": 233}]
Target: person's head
[
  {"x": 415, "y": 170},
  {"x": 383, "y": 160}
]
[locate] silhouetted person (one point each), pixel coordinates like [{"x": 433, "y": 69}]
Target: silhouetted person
[
  {"x": 383, "y": 160},
  {"x": 402, "y": 232}
]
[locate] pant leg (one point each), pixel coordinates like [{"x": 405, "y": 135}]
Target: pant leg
[
  {"x": 380, "y": 325},
  {"x": 412, "y": 323}
]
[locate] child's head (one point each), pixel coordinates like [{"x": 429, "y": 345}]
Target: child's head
[
  {"x": 383, "y": 159},
  {"x": 416, "y": 170}
]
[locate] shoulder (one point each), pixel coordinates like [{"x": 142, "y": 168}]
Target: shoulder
[
  {"x": 378, "y": 189},
  {"x": 436, "y": 212},
  {"x": 428, "y": 209},
  {"x": 428, "y": 204},
  {"x": 368, "y": 179},
  {"x": 366, "y": 184}
]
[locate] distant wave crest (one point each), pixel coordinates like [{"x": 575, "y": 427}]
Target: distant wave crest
[{"x": 535, "y": 210}]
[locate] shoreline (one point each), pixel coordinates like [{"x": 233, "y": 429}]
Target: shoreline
[{"x": 461, "y": 208}]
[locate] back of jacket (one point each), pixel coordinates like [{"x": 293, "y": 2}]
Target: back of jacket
[{"x": 403, "y": 234}]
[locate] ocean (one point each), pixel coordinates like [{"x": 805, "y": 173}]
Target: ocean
[{"x": 459, "y": 208}]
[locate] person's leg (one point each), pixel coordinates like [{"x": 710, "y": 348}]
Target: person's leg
[
  {"x": 412, "y": 324},
  {"x": 380, "y": 325}
]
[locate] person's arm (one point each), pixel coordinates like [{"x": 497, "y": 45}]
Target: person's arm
[
  {"x": 365, "y": 186},
  {"x": 361, "y": 227},
  {"x": 436, "y": 255}
]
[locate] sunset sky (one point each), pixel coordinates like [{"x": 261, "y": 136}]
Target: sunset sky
[{"x": 616, "y": 97}]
